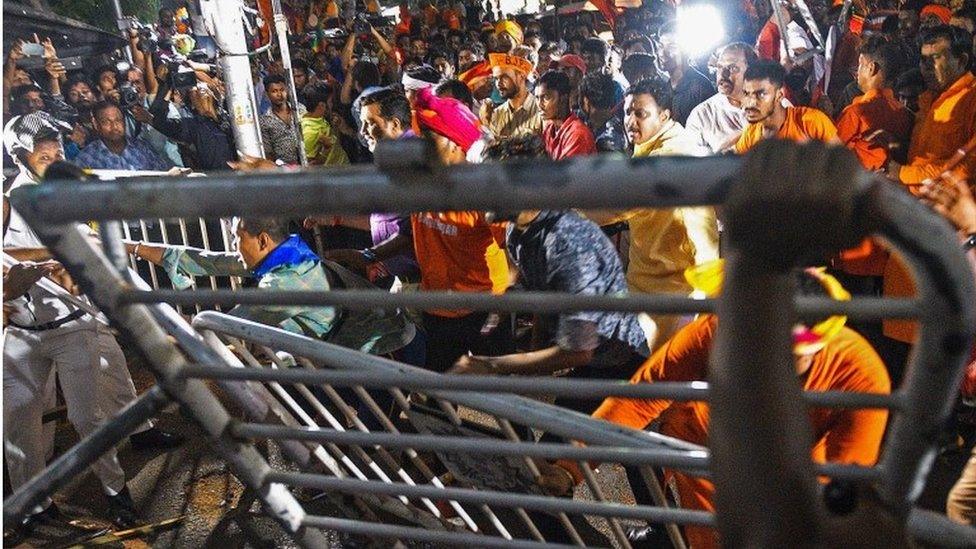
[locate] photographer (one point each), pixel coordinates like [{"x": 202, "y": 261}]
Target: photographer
[
  {"x": 135, "y": 98},
  {"x": 15, "y": 77},
  {"x": 207, "y": 129}
]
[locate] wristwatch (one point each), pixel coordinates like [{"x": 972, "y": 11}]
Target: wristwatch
[
  {"x": 969, "y": 243},
  {"x": 369, "y": 255}
]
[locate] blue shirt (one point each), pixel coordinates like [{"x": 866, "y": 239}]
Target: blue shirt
[
  {"x": 137, "y": 155},
  {"x": 560, "y": 251}
]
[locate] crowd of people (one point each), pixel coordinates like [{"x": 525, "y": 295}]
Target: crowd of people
[{"x": 893, "y": 82}]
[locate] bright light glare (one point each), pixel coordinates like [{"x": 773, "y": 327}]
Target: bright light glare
[{"x": 700, "y": 29}]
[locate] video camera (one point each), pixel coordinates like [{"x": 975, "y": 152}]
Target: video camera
[
  {"x": 180, "y": 77},
  {"x": 149, "y": 39},
  {"x": 361, "y": 23}
]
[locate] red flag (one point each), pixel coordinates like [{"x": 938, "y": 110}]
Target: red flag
[{"x": 609, "y": 10}]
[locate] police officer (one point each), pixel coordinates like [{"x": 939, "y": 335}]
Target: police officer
[{"x": 44, "y": 331}]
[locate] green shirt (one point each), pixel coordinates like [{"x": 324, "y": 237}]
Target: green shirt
[
  {"x": 312, "y": 131},
  {"x": 376, "y": 331}
]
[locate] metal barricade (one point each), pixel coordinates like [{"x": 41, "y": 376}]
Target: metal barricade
[{"x": 467, "y": 475}]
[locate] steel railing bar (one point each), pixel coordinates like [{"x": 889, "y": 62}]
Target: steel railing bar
[
  {"x": 866, "y": 308},
  {"x": 945, "y": 286},
  {"x": 937, "y": 530},
  {"x": 164, "y": 235},
  {"x": 205, "y": 236},
  {"x": 656, "y": 491},
  {"x": 683, "y": 460},
  {"x": 127, "y": 234},
  {"x": 152, "y": 267},
  {"x": 184, "y": 241},
  {"x": 695, "y": 462},
  {"x": 235, "y": 282},
  {"x": 680, "y": 391},
  {"x": 447, "y": 539},
  {"x": 582, "y": 182},
  {"x": 503, "y": 499}
]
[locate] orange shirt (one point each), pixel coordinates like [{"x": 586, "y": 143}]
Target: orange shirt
[
  {"x": 847, "y": 363},
  {"x": 801, "y": 124},
  {"x": 943, "y": 125},
  {"x": 875, "y": 110},
  {"x": 899, "y": 282},
  {"x": 458, "y": 251}
]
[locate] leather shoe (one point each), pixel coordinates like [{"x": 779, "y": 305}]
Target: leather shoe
[
  {"x": 154, "y": 439},
  {"x": 19, "y": 533},
  {"x": 122, "y": 512}
]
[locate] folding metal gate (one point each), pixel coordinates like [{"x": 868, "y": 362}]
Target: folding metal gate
[{"x": 395, "y": 483}]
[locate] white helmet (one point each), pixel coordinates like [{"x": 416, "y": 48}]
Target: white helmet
[{"x": 22, "y": 132}]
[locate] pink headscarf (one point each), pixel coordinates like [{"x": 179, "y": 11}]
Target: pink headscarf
[{"x": 448, "y": 117}]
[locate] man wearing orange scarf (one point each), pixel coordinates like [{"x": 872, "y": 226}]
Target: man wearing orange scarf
[{"x": 519, "y": 115}]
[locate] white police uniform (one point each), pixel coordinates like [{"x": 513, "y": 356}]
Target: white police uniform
[{"x": 45, "y": 332}]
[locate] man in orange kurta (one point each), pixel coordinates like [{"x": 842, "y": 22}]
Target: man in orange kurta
[
  {"x": 763, "y": 104},
  {"x": 945, "y": 122},
  {"x": 873, "y": 122},
  {"x": 947, "y": 109},
  {"x": 846, "y": 363}
]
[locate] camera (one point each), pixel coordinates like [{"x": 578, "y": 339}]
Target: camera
[
  {"x": 149, "y": 41},
  {"x": 181, "y": 79},
  {"x": 198, "y": 56},
  {"x": 128, "y": 95}
]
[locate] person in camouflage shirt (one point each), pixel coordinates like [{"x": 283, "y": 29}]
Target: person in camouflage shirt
[{"x": 282, "y": 261}]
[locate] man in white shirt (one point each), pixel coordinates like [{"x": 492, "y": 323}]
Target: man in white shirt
[
  {"x": 719, "y": 120},
  {"x": 45, "y": 332}
]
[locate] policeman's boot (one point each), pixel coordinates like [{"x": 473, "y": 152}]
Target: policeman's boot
[
  {"x": 121, "y": 510},
  {"x": 154, "y": 439}
]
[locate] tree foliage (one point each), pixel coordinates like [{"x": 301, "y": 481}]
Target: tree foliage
[{"x": 99, "y": 13}]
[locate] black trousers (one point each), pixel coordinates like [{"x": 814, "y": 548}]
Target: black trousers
[
  {"x": 587, "y": 406},
  {"x": 449, "y": 338}
]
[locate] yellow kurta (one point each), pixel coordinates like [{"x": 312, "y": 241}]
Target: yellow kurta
[{"x": 665, "y": 242}]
